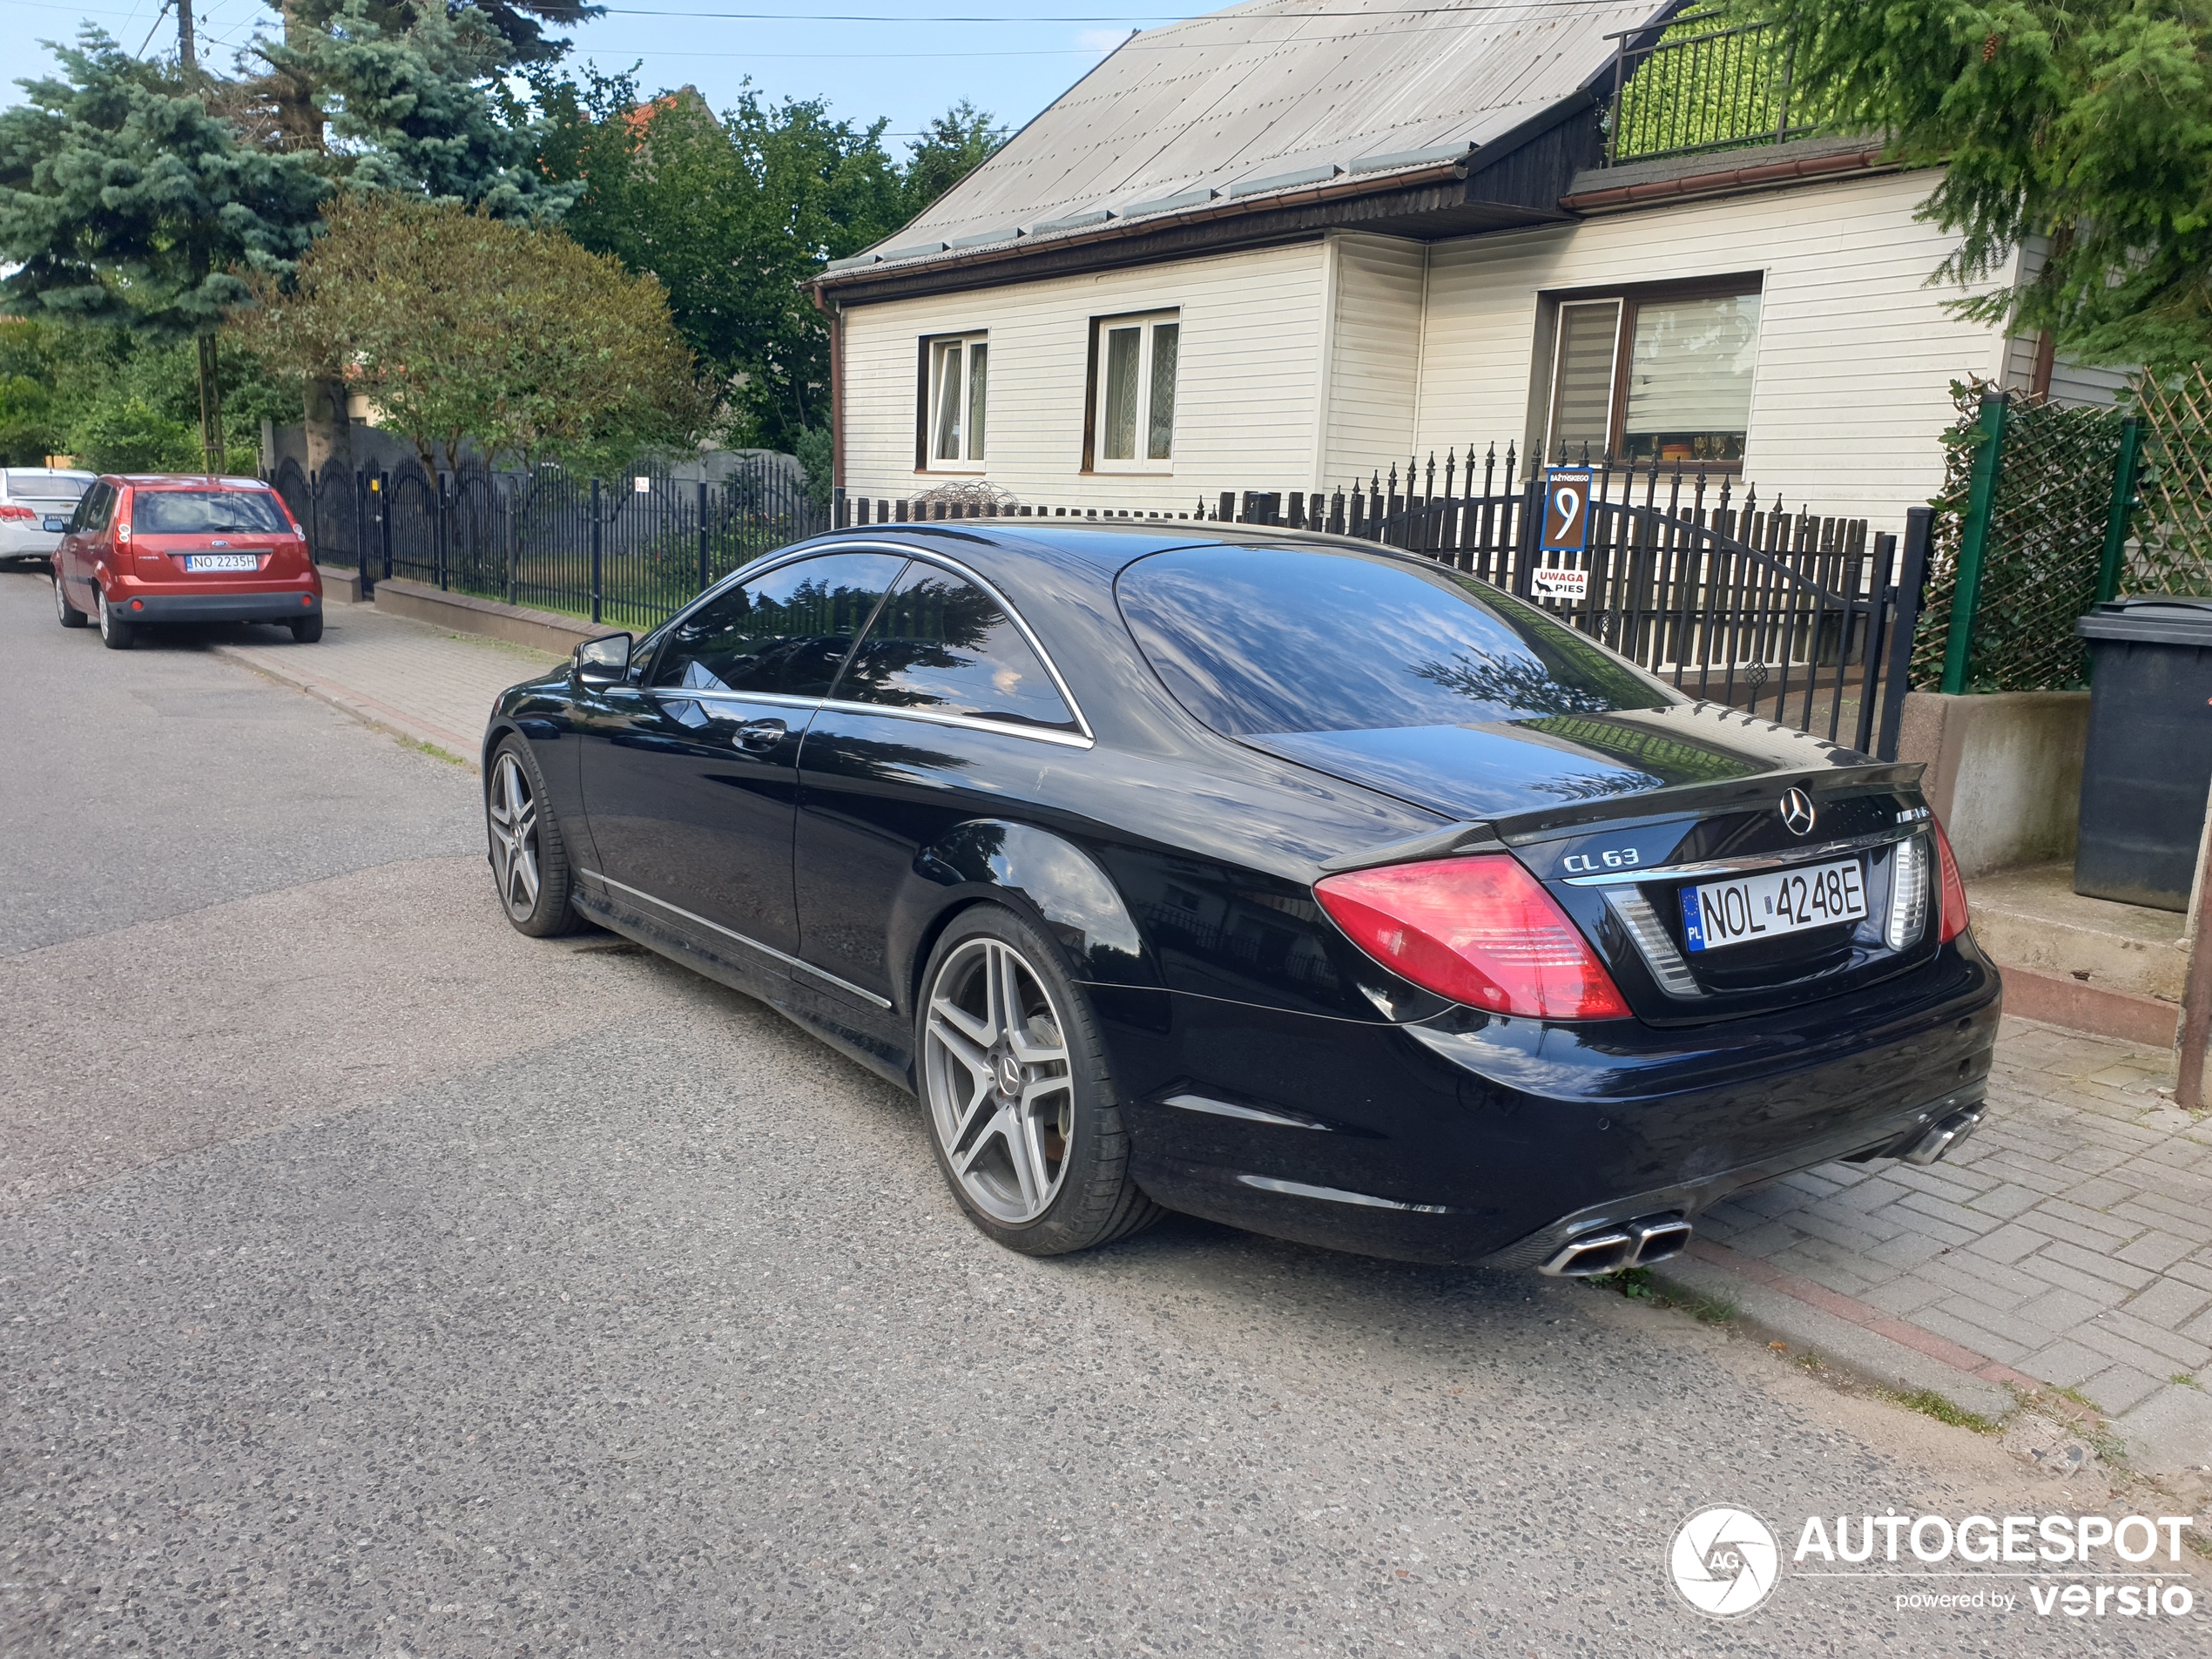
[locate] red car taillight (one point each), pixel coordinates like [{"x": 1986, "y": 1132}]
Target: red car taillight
[
  {"x": 1481, "y": 931},
  {"x": 15, "y": 509},
  {"x": 1954, "y": 918}
]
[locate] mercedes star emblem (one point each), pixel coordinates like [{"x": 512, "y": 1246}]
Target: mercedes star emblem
[{"x": 1797, "y": 811}]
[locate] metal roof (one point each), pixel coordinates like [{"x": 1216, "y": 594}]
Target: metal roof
[{"x": 1274, "y": 95}]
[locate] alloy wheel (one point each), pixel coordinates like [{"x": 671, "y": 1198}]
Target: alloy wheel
[
  {"x": 511, "y": 811},
  {"x": 995, "y": 1066},
  {"x": 61, "y": 600}
]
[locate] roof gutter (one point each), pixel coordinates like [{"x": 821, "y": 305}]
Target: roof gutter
[
  {"x": 1728, "y": 180},
  {"x": 1125, "y": 230}
]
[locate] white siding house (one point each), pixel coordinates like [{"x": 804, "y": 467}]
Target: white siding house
[{"x": 1176, "y": 284}]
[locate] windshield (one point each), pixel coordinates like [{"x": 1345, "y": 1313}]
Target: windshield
[
  {"x": 1259, "y": 640},
  {"x": 32, "y": 483},
  {"x": 202, "y": 512}
]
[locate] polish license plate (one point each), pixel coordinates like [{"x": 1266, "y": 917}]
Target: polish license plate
[
  {"x": 222, "y": 562},
  {"x": 1771, "y": 904},
  {"x": 57, "y": 522}
]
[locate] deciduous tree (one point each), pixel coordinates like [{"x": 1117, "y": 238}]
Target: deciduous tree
[
  {"x": 459, "y": 326},
  {"x": 733, "y": 212}
]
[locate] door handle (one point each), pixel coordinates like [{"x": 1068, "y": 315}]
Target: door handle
[{"x": 759, "y": 734}]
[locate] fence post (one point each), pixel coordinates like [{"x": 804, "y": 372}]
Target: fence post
[
  {"x": 1532, "y": 531},
  {"x": 1881, "y": 590},
  {"x": 1919, "y": 529},
  {"x": 595, "y": 550},
  {"x": 383, "y": 488},
  {"x": 1973, "y": 543},
  {"x": 512, "y": 500},
  {"x": 2123, "y": 507},
  {"x": 703, "y": 539},
  {"x": 445, "y": 532}
]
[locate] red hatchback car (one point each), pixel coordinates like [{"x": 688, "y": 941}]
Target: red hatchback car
[{"x": 153, "y": 548}]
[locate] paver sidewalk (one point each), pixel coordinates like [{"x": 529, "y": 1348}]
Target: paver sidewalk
[
  {"x": 2070, "y": 1244},
  {"x": 410, "y": 677},
  {"x": 2067, "y": 1245}
]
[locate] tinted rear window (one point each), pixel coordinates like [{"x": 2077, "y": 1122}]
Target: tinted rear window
[
  {"x": 206, "y": 512},
  {"x": 1255, "y": 640}
]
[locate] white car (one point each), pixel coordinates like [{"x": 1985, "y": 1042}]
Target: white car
[{"x": 34, "y": 506}]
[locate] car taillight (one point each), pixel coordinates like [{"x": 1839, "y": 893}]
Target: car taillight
[
  {"x": 1481, "y": 931},
  {"x": 15, "y": 509},
  {"x": 1955, "y": 890}
]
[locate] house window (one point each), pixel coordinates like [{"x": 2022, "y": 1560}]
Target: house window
[
  {"x": 1133, "y": 407},
  {"x": 1659, "y": 374},
  {"x": 954, "y": 404}
]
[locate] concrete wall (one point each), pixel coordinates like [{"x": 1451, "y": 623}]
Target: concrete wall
[{"x": 2004, "y": 771}]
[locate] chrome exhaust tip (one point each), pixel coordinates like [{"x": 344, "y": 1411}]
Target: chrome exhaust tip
[
  {"x": 1667, "y": 1235},
  {"x": 1589, "y": 1255},
  {"x": 1943, "y": 1139},
  {"x": 1610, "y": 1248}
]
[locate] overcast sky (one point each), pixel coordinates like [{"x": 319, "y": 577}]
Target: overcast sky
[{"x": 908, "y": 70}]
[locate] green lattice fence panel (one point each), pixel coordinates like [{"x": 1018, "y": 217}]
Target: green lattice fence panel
[
  {"x": 2046, "y": 538},
  {"x": 2172, "y": 551}
]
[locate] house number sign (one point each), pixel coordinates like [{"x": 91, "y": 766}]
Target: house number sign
[{"x": 1567, "y": 529}]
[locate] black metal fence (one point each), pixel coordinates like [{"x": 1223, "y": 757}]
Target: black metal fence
[
  {"x": 629, "y": 553},
  {"x": 1804, "y": 619}
]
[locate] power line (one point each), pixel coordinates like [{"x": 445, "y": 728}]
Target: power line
[{"x": 1367, "y": 15}]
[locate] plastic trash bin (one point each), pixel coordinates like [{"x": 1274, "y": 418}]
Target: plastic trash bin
[{"x": 2149, "y": 757}]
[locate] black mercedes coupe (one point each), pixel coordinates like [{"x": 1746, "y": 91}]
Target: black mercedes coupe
[{"x": 1274, "y": 878}]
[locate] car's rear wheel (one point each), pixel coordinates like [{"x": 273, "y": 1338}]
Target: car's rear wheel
[
  {"x": 1021, "y": 1104},
  {"x": 529, "y": 859},
  {"x": 70, "y": 615},
  {"x": 306, "y": 630},
  {"x": 115, "y": 633}
]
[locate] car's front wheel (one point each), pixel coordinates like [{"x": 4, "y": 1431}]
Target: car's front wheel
[
  {"x": 529, "y": 859},
  {"x": 115, "y": 633},
  {"x": 70, "y": 615},
  {"x": 1015, "y": 1083}
]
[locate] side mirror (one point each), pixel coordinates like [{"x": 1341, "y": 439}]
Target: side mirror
[{"x": 602, "y": 662}]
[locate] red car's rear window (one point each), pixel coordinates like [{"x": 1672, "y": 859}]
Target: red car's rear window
[{"x": 206, "y": 512}]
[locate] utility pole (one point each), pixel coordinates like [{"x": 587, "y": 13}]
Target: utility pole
[{"x": 187, "y": 47}]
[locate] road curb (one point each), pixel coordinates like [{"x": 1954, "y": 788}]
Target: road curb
[
  {"x": 1848, "y": 1335},
  {"x": 367, "y": 709}
]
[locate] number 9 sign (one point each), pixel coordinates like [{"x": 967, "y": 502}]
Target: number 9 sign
[{"x": 1566, "y": 510}]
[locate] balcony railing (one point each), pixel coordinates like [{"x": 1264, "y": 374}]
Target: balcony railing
[{"x": 1700, "y": 88}]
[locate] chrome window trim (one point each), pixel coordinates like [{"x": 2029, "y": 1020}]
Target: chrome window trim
[
  {"x": 970, "y": 722},
  {"x": 1081, "y": 737},
  {"x": 1739, "y": 866},
  {"x": 732, "y": 933}
]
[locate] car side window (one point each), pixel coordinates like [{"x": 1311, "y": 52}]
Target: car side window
[
  {"x": 91, "y": 512},
  {"x": 943, "y": 644},
  {"x": 786, "y": 633}
]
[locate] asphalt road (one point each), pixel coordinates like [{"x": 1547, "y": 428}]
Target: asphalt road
[{"x": 376, "y": 1281}]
